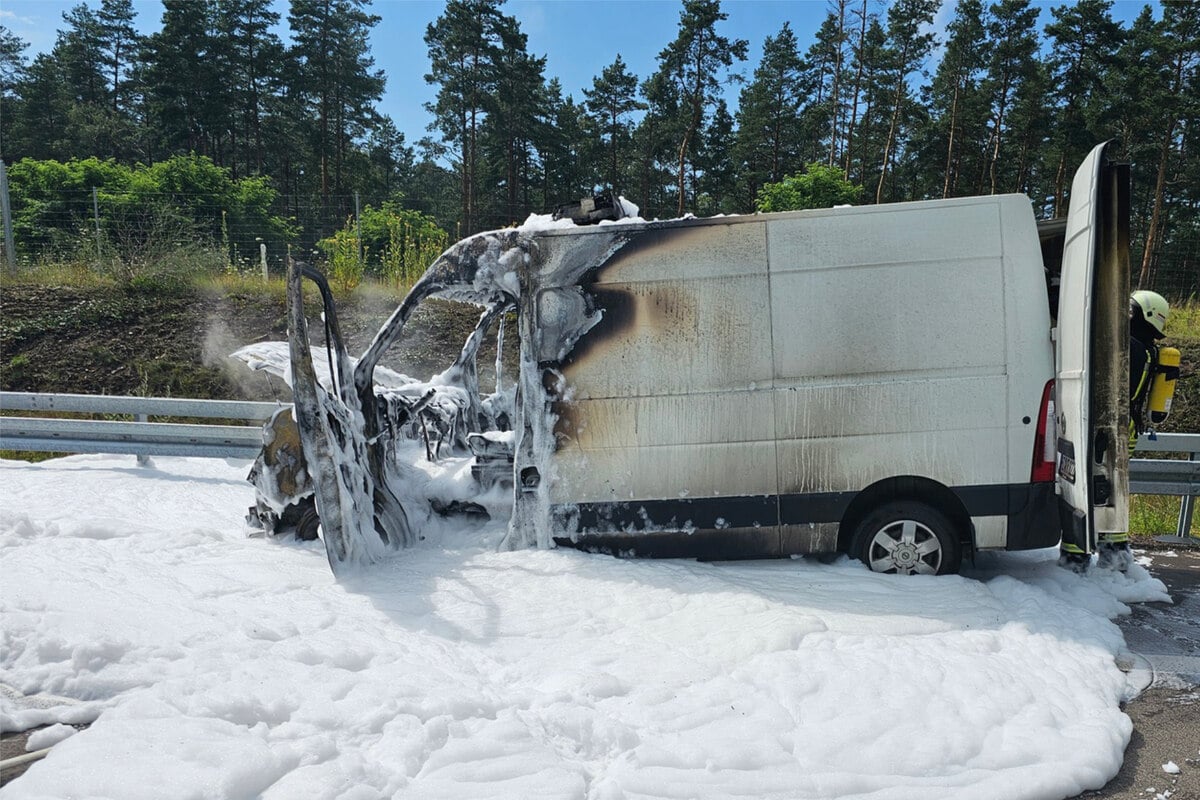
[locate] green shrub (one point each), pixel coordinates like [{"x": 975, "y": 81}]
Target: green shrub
[
  {"x": 818, "y": 186},
  {"x": 397, "y": 245}
]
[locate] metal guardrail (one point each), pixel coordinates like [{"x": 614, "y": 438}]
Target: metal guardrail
[
  {"x": 143, "y": 438},
  {"x": 139, "y": 437},
  {"x": 1169, "y": 476}
]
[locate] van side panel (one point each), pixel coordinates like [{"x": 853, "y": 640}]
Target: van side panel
[
  {"x": 749, "y": 378},
  {"x": 890, "y": 353},
  {"x": 673, "y": 401}
]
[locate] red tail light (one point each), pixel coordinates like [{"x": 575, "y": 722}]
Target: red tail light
[{"x": 1044, "y": 444}]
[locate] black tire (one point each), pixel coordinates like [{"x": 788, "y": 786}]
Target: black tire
[
  {"x": 905, "y": 538},
  {"x": 306, "y": 528}
]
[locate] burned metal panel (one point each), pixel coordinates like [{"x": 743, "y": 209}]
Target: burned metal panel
[
  {"x": 705, "y": 527},
  {"x": 1110, "y": 360},
  {"x": 701, "y": 418},
  {"x": 676, "y": 337},
  {"x": 1091, "y": 353},
  {"x": 847, "y": 435},
  {"x": 688, "y": 298},
  {"x": 940, "y": 400},
  {"x": 669, "y": 394},
  {"x": 667, "y": 471},
  {"x": 554, "y": 263},
  {"x": 850, "y": 463},
  {"x": 686, "y": 252}
]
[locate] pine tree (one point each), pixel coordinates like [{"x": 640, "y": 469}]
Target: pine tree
[
  {"x": 955, "y": 99},
  {"x": 768, "y": 141},
  {"x": 253, "y": 55},
  {"x": 119, "y": 51},
  {"x": 1164, "y": 74},
  {"x": 860, "y": 66},
  {"x": 873, "y": 59},
  {"x": 570, "y": 154},
  {"x": 94, "y": 48},
  {"x": 464, "y": 44},
  {"x": 12, "y": 60},
  {"x": 336, "y": 81},
  {"x": 837, "y": 89},
  {"x": 716, "y": 179},
  {"x": 80, "y": 51},
  {"x": 653, "y": 145},
  {"x": 12, "y": 73},
  {"x": 184, "y": 93},
  {"x": 516, "y": 115},
  {"x": 693, "y": 64},
  {"x": 911, "y": 44},
  {"x": 821, "y": 62},
  {"x": 1012, "y": 41},
  {"x": 391, "y": 163},
  {"x": 1031, "y": 120},
  {"x": 40, "y": 125},
  {"x": 610, "y": 102},
  {"x": 1085, "y": 37}
]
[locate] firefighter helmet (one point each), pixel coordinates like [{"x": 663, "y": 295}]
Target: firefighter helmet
[{"x": 1151, "y": 307}]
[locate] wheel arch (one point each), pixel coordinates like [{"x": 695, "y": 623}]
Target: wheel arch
[{"x": 907, "y": 487}]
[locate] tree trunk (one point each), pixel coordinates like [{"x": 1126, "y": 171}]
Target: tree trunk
[
  {"x": 683, "y": 149},
  {"x": 1164, "y": 155},
  {"x": 837, "y": 78},
  {"x": 997, "y": 132},
  {"x": 862, "y": 38},
  {"x": 887, "y": 146},
  {"x": 950, "y": 142}
]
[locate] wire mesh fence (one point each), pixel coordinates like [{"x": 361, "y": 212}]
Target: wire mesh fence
[
  {"x": 1174, "y": 267},
  {"x": 198, "y": 231},
  {"x": 130, "y": 231}
]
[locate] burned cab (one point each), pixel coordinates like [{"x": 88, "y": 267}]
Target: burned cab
[{"x": 881, "y": 381}]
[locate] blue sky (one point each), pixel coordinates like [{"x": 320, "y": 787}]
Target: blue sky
[{"x": 578, "y": 37}]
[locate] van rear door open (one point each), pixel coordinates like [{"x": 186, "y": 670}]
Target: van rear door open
[{"x": 1092, "y": 354}]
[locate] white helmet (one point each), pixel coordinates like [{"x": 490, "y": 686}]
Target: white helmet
[{"x": 1151, "y": 307}]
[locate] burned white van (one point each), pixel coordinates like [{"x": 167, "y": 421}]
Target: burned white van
[{"x": 906, "y": 383}]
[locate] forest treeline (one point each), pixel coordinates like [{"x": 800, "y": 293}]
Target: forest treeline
[{"x": 1003, "y": 104}]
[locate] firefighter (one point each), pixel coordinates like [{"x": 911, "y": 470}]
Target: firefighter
[{"x": 1148, "y": 312}]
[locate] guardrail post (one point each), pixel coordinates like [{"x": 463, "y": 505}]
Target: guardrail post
[
  {"x": 143, "y": 460},
  {"x": 1185, "y": 509}
]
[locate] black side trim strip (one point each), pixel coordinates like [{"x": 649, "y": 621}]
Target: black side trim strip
[
  {"x": 1032, "y": 510},
  {"x": 682, "y": 514},
  {"x": 798, "y": 509}
]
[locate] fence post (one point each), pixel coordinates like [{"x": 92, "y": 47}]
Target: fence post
[
  {"x": 10, "y": 255},
  {"x": 357, "y": 233},
  {"x": 262, "y": 256},
  {"x": 96, "y": 217}
]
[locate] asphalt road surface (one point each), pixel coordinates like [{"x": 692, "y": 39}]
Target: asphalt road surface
[{"x": 1165, "y": 643}]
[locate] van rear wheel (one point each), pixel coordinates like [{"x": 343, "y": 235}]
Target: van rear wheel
[{"x": 907, "y": 538}]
